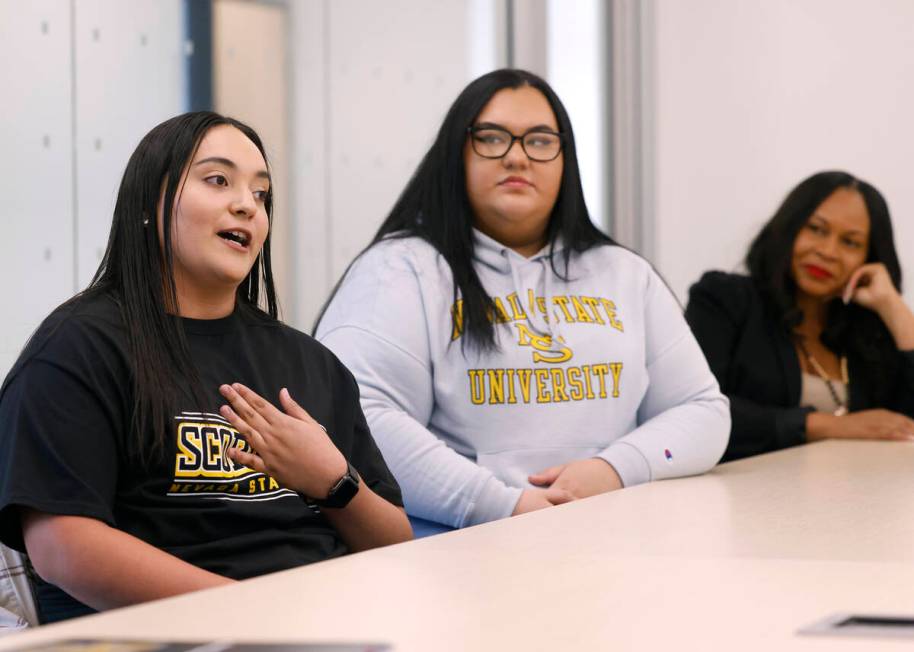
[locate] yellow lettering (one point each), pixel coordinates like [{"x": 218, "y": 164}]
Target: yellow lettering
[
  {"x": 600, "y": 371},
  {"x": 457, "y": 319},
  {"x": 616, "y": 369},
  {"x": 509, "y": 381},
  {"x": 610, "y": 309},
  {"x": 262, "y": 481},
  {"x": 574, "y": 381},
  {"x": 523, "y": 377},
  {"x": 189, "y": 457},
  {"x": 589, "y": 391},
  {"x": 252, "y": 487},
  {"x": 202, "y": 452},
  {"x": 496, "y": 386},
  {"x": 501, "y": 315},
  {"x": 174, "y": 488},
  {"x": 581, "y": 312},
  {"x": 517, "y": 311},
  {"x": 273, "y": 484},
  {"x": 228, "y": 440},
  {"x": 594, "y": 304},
  {"x": 477, "y": 386},
  {"x": 542, "y": 377},
  {"x": 524, "y": 335},
  {"x": 558, "y": 384},
  {"x": 562, "y": 302},
  {"x": 214, "y": 451},
  {"x": 542, "y": 345},
  {"x": 562, "y": 355}
]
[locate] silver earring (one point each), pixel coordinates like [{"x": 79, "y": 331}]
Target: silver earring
[{"x": 146, "y": 222}]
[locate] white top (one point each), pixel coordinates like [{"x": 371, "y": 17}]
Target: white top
[
  {"x": 814, "y": 393},
  {"x": 602, "y": 364}
]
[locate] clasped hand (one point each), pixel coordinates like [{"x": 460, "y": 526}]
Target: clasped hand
[
  {"x": 567, "y": 482},
  {"x": 288, "y": 445}
]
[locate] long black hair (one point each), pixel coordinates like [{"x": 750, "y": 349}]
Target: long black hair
[
  {"x": 434, "y": 205},
  {"x": 137, "y": 272},
  {"x": 850, "y": 329}
]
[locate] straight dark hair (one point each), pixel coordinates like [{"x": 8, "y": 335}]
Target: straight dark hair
[
  {"x": 434, "y": 205},
  {"x": 850, "y": 329},
  {"x": 136, "y": 271}
]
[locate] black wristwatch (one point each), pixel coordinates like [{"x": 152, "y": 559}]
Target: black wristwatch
[{"x": 342, "y": 491}]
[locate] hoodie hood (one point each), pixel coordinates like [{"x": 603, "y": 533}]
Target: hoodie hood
[{"x": 534, "y": 273}]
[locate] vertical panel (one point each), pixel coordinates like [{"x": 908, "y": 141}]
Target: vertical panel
[
  {"x": 251, "y": 83},
  {"x": 576, "y": 69},
  {"x": 486, "y": 47},
  {"x": 630, "y": 125},
  {"x": 310, "y": 262},
  {"x": 129, "y": 77},
  {"x": 393, "y": 77},
  {"x": 371, "y": 84},
  {"x": 36, "y": 168},
  {"x": 530, "y": 34}
]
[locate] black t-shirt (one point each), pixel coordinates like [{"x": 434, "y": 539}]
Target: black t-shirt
[{"x": 65, "y": 415}]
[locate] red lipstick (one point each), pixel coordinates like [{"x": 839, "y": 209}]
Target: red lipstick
[{"x": 817, "y": 272}]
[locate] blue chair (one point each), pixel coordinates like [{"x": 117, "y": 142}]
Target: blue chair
[{"x": 423, "y": 528}]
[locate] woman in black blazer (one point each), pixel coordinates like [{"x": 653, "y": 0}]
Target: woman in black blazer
[{"x": 816, "y": 342}]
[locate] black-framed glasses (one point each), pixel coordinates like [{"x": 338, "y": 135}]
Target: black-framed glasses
[{"x": 494, "y": 142}]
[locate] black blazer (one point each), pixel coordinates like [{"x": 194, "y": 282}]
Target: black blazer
[{"x": 756, "y": 364}]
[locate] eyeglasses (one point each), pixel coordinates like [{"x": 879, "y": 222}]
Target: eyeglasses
[{"x": 494, "y": 142}]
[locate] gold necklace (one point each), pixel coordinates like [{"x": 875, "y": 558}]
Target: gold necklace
[{"x": 841, "y": 409}]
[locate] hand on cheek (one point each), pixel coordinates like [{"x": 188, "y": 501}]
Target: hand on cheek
[{"x": 871, "y": 287}]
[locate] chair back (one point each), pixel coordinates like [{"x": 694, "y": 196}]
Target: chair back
[{"x": 17, "y": 600}]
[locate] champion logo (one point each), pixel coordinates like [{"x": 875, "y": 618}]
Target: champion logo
[{"x": 668, "y": 454}]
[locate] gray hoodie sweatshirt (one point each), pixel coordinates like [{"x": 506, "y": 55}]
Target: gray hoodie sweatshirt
[{"x": 601, "y": 365}]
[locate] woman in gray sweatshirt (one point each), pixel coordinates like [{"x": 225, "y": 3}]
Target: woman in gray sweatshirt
[{"x": 510, "y": 356}]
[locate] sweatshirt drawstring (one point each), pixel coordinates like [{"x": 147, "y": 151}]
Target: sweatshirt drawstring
[
  {"x": 554, "y": 324},
  {"x": 494, "y": 255}
]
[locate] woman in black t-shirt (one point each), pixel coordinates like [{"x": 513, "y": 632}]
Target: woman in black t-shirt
[{"x": 140, "y": 453}]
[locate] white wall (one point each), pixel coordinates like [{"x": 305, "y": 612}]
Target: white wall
[
  {"x": 576, "y": 69},
  {"x": 747, "y": 98},
  {"x": 129, "y": 76},
  {"x": 79, "y": 89},
  {"x": 371, "y": 84},
  {"x": 752, "y": 96},
  {"x": 36, "y": 168}
]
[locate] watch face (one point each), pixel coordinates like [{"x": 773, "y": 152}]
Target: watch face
[{"x": 343, "y": 491}]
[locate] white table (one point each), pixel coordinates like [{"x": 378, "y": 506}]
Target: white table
[{"x": 738, "y": 559}]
